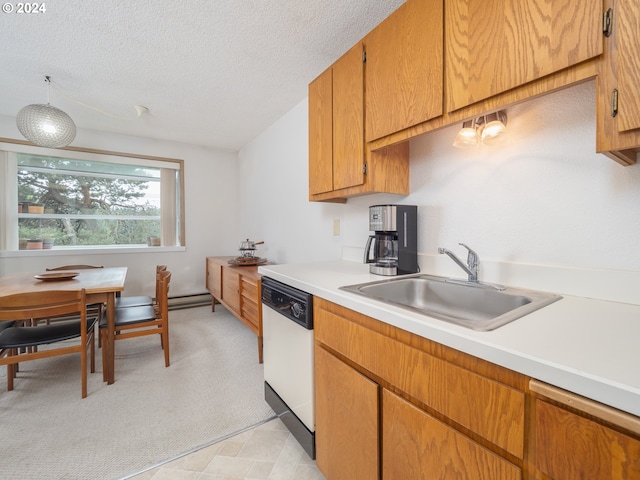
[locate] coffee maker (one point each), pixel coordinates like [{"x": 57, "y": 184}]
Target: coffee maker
[{"x": 393, "y": 249}]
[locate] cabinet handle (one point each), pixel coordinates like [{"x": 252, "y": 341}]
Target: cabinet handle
[{"x": 607, "y": 22}]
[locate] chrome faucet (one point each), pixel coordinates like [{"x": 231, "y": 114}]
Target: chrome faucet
[{"x": 472, "y": 265}]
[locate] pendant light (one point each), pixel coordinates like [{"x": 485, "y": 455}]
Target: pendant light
[{"x": 45, "y": 125}]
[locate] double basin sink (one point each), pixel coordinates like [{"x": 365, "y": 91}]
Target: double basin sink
[{"x": 475, "y": 305}]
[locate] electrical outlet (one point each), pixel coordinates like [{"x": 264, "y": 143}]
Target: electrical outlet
[{"x": 336, "y": 227}]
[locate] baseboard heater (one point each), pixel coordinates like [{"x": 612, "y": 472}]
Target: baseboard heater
[{"x": 189, "y": 301}]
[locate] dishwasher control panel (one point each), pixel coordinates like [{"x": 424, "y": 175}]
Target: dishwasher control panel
[{"x": 289, "y": 301}]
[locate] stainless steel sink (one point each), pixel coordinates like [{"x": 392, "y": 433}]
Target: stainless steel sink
[{"x": 475, "y": 305}]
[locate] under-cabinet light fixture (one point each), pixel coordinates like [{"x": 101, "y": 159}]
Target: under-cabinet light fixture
[
  {"x": 467, "y": 136},
  {"x": 489, "y": 129},
  {"x": 495, "y": 126}
]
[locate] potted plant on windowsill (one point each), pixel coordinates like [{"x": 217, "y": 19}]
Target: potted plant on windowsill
[{"x": 35, "y": 244}]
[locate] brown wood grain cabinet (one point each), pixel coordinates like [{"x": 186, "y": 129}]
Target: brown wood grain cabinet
[
  {"x": 238, "y": 289},
  {"x": 495, "y": 45},
  {"x": 336, "y": 141},
  {"x": 434, "y": 63},
  {"x": 418, "y": 446},
  {"x": 399, "y": 406},
  {"x": 339, "y": 165},
  {"x": 404, "y": 68},
  {"x": 347, "y": 411},
  {"x": 454, "y": 414},
  {"x": 618, "y": 129},
  {"x": 576, "y": 438}
]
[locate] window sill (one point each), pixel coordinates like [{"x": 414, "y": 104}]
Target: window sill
[{"x": 62, "y": 251}]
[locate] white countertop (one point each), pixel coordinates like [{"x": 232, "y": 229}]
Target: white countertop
[{"x": 589, "y": 347}]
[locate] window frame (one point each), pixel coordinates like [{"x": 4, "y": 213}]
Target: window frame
[{"x": 9, "y": 197}]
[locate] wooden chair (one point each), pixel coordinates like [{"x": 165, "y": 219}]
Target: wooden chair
[
  {"x": 143, "y": 320},
  {"x": 140, "y": 300},
  {"x": 35, "y": 305}
]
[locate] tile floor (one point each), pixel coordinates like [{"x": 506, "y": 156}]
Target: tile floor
[{"x": 267, "y": 452}]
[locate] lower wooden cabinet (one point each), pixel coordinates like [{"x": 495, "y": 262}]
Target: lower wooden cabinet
[
  {"x": 238, "y": 289},
  {"x": 392, "y": 405},
  {"x": 399, "y": 406},
  {"x": 346, "y": 420},
  {"x": 416, "y": 445},
  {"x": 577, "y": 438}
]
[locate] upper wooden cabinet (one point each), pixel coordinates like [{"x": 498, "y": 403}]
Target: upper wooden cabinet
[
  {"x": 618, "y": 107},
  {"x": 321, "y": 133},
  {"x": 493, "y": 46},
  {"x": 336, "y": 125},
  {"x": 404, "y": 68},
  {"x": 339, "y": 165},
  {"x": 348, "y": 119}
]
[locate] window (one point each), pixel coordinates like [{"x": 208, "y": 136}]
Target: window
[{"x": 69, "y": 199}]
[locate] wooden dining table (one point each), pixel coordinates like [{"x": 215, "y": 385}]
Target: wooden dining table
[{"x": 101, "y": 286}]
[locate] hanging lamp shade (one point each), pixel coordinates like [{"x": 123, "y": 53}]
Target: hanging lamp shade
[{"x": 45, "y": 125}]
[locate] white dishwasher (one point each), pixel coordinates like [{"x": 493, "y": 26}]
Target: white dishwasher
[{"x": 287, "y": 339}]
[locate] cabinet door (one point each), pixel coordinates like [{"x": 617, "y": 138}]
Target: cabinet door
[
  {"x": 321, "y": 133},
  {"x": 231, "y": 289},
  {"x": 415, "y": 445},
  {"x": 214, "y": 278},
  {"x": 404, "y": 68},
  {"x": 346, "y": 420},
  {"x": 628, "y": 15},
  {"x": 618, "y": 135},
  {"x": 571, "y": 447},
  {"x": 495, "y": 45},
  {"x": 348, "y": 119}
]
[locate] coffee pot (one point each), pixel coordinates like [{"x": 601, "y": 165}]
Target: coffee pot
[{"x": 392, "y": 250}]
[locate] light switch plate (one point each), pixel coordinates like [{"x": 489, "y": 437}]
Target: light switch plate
[{"x": 336, "y": 227}]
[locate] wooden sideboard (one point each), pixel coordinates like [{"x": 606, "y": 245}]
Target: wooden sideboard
[{"x": 238, "y": 289}]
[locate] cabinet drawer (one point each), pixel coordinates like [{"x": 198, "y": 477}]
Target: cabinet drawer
[
  {"x": 489, "y": 408},
  {"x": 250, "y": 301},
  {"x": 570, "y": 446},
  {"x": 250, "y": 310},
  {"x": 249, "y": 288},
  {"x": 414, "y": 442}
]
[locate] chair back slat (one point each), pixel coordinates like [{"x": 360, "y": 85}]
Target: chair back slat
[
  {"x": 163, "y": 296},
  {"x": 46, "y": 304}
]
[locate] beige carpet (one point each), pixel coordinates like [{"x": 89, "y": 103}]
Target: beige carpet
[{"x": 214, "y": 387}]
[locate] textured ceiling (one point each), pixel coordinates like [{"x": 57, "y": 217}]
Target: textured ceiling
[{"x": 213, "y": 73}]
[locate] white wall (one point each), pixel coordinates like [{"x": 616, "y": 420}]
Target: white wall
[
  {"x": 543, "y": 198},
  {"x": 274, "y": 193},
  {"x": 210, "y": 210}
]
